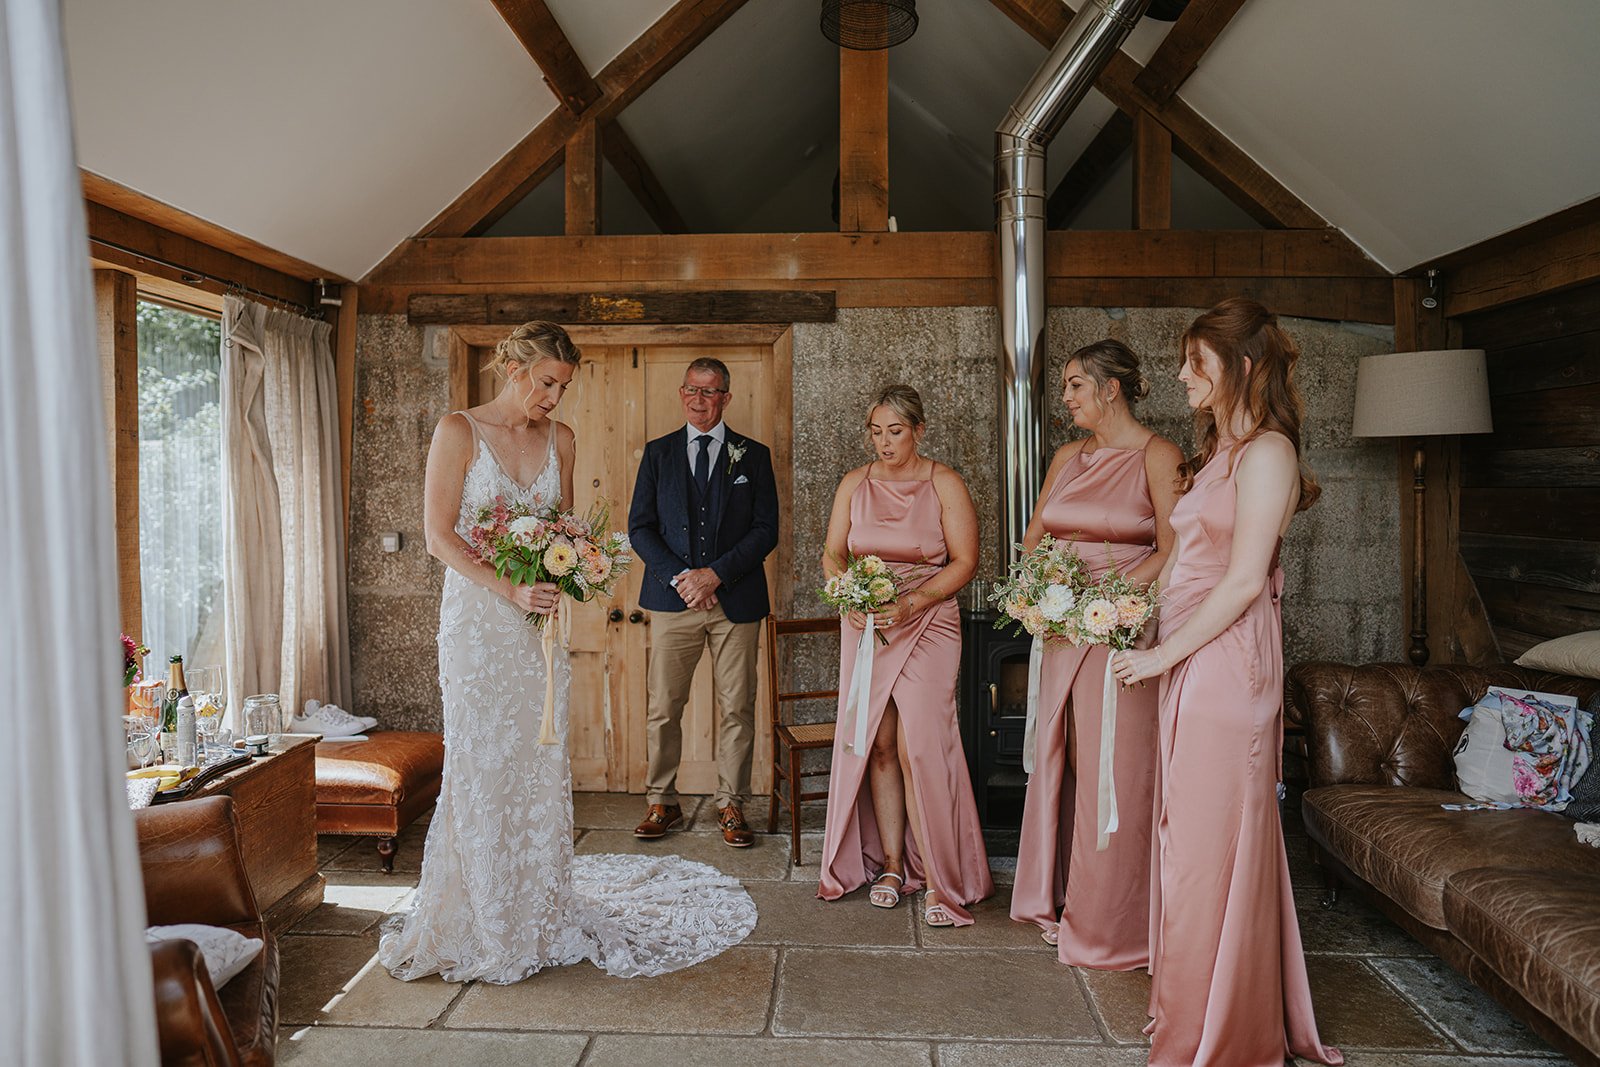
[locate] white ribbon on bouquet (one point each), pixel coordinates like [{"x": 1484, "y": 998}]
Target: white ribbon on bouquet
[
  {"x": 858, "y": 703},
  {"x": 1106, "y": 806},
  {"x": 1030, "y": 731},
  {"x": 548, "y": 637}
]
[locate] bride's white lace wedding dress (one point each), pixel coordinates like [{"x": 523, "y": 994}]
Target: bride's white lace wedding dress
[{"x": 501, "y": 894}]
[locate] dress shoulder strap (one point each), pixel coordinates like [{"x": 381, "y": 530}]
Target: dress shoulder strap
[{"x": 472, "y": 424}]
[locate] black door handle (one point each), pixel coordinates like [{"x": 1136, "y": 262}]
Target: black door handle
[
  {"x": 636, "y": 616},
  {"x": 615, "y": 615}
]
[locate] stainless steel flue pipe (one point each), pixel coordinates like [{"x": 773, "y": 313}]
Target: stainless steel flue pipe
[{"x": 1059, "y": 85}]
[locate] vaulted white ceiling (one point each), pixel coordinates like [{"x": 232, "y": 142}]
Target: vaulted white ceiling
[{"x": 332, "y": 131}]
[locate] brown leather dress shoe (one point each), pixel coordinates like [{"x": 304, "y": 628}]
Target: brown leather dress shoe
[
  {"x": 734, "y": 830},
  {"x": 658, "y": 820}
]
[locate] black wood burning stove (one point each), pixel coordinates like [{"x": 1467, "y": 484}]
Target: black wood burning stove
[{"x": 994, "y": 700}]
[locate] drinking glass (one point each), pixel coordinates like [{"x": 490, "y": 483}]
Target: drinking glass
[
  {"x": 143, "y": 740},
  {"x": 205, "y": 685}
]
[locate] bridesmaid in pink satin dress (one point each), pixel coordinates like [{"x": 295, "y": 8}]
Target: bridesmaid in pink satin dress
[
  {"x": 1111, "y": 493},
  {"x": 1229, "y": 975},
  {"x": 916, "y": 824}
]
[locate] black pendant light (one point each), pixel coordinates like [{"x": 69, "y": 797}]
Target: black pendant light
[{"x": 868, "y": 25}]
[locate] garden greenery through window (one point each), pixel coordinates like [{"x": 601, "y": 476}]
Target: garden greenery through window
[{"x": 180, "y": 485}]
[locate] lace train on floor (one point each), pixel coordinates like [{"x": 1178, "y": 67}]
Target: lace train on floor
[{"x": 632, "y": 916}]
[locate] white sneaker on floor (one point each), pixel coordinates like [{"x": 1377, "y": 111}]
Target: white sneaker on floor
[{"x": 330, "y": 720}]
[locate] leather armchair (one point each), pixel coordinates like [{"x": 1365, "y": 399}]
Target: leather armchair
[{"x": 194, "y": 873}]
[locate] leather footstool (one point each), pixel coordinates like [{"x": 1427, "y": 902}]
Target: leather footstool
[{"x": 378, "y": 787}]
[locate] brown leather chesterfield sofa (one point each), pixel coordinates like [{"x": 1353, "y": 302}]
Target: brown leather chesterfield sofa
[
  {"x": 194, "y": 873},
  {"x": 1510, "y": 899}
]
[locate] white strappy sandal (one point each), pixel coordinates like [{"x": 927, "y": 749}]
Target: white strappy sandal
[
  {"x": 938, "y": 915},
  {"x": 885, "y": 896}
]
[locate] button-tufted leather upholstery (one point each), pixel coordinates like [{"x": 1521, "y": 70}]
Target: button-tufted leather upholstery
[
  {"x": 1515, "y": 890},
  {"x": 378, "y": 787},
  {"x": 194, "y": 873},
  {"x": 1394, "y": 724}
]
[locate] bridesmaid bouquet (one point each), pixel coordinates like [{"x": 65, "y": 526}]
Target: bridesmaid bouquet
[
  {"x": 578, "y": 554},
  {"x": 1111, "y": 611},
  {"x": 866, "y": 585},
  {"x": 530, "y": 545},
  {"x": 1042, "y": 591}
]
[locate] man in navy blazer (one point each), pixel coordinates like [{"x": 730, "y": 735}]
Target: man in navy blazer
[{"x": 704, "y": 517}]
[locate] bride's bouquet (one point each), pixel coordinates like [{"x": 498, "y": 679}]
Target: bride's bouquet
[
  {"x": 866, "y": 585},
  {"x": 578, "y": 554},
  {"x": 1041, "y": 591}
]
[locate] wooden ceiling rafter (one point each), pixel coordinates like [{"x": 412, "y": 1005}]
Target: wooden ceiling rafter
[
  {"x": 547, "y": 43},
  {"x": 1090, "y": 170},
  {"x": 1195, "y": 140},
  {"x": 638, "y": 67},
  {"x": 1181, "y": 50},
  {"x": 624, "y": 156},
  {"x": 121, "y": 214}
]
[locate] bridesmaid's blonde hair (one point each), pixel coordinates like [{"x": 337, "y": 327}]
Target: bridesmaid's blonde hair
[
  {"x": 532, "y": 343},
  {"x": 904, "y": 401}
]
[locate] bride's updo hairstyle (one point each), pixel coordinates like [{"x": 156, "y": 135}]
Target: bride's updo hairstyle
[
  {"x": 1112, "y": 361},
  {"x": 532, "y": 343},
  {"x": 905, "y": 402},
  {"x": 1236, "y": 330}
]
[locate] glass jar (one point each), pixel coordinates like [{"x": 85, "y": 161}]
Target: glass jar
[{"x": 263, "y": 715}]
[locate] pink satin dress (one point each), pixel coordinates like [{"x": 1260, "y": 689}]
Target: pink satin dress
[
  {"x": 1229, "y": 975},
  {"x": 900, "y": 522},
  {"x": 1101, "y": 502}
]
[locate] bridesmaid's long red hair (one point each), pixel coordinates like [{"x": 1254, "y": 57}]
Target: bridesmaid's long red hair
[{"x": 1236, "y": 330}]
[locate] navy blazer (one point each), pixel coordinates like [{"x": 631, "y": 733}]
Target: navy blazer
[{"x": 744, "y": 523}]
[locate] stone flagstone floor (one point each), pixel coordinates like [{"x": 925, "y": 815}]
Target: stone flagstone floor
[{"x": 831, "y": 984}]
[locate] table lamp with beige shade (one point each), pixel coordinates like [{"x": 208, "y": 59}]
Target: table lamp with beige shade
[{"x": 1421, "y": 394}]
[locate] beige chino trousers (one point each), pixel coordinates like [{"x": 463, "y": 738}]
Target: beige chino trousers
[{"x": 677, "y": 640}]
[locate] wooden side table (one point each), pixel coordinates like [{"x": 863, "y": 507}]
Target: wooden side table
[{"x": 275, "y": 800}]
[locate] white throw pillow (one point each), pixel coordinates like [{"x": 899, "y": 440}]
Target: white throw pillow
[
  {"x": 1483, "y": 766},
  {"x": 1576, "y": 654},
  {"x": 226, "y": 952}
]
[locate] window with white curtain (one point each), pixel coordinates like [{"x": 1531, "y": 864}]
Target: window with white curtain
[{"x": 180, "y": 485}]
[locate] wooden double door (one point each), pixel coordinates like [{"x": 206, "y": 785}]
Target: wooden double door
[{"x": 624, "y": 395}]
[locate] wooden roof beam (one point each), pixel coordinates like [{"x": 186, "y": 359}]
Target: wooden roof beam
[
  {"x": 547, "y": 43},
  {"x": 636, "y": 174},
  {"x": 623, "y": 80},
  {"x": 1195, "y": 140},
  {"x": 1179, "y": 54},
  {"x": 1090, "y": 171}
]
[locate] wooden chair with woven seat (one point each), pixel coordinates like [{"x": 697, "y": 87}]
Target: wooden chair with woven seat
[{"x": 791, "y": 740}]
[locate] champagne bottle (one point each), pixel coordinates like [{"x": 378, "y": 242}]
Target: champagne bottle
[{"x": 176, "y": 690}]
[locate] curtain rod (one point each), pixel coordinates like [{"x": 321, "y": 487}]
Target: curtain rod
[{"x": 190, "y": 273}]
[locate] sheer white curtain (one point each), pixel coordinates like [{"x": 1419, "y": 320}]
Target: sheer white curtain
[
  {"x": 283, "y": 563},
  {"x": 75, "y": 983}
]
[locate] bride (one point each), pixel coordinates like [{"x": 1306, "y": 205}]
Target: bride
[{"x": 501, "y": 895}]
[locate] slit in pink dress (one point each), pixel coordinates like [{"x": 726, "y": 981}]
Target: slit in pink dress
[{"x": 900, "y": 522}]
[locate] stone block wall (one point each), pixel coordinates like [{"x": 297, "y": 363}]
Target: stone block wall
[{"x": 1341, "y": 558}]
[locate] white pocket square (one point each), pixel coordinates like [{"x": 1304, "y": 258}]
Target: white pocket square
[{"x": 741, "y": 480}]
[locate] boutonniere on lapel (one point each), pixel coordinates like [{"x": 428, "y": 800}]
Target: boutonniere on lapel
[{"x": 736, "y": 453}]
